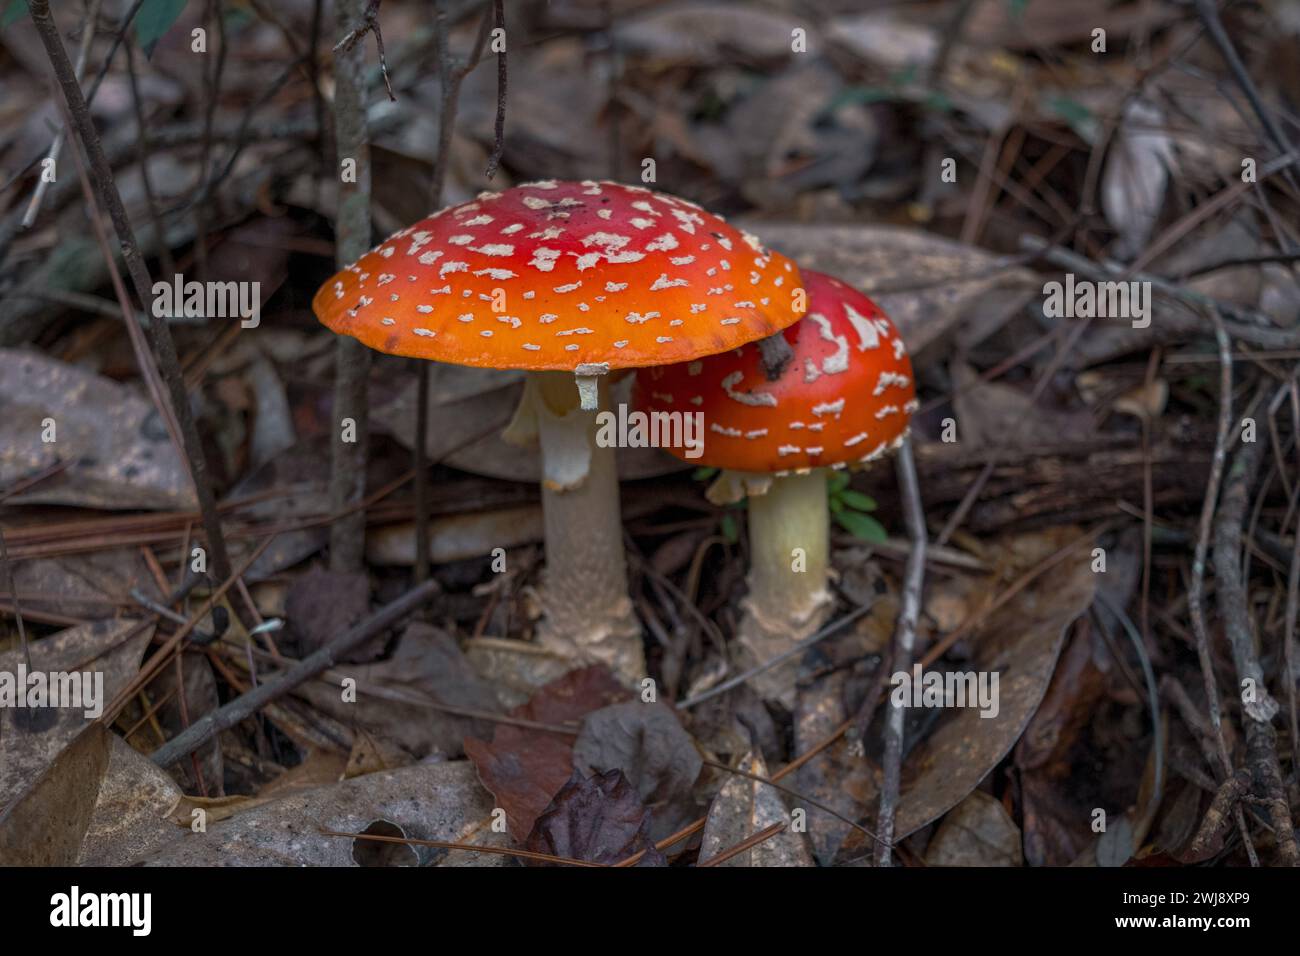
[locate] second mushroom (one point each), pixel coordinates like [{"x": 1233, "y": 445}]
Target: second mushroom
[{"x": 845, "y": 399}]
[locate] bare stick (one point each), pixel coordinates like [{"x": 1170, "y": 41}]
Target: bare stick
[
  {"x": 369, "y": 24},
  {"x": 160, "y": 336},
  {"x": 211, "y": 724},
  {"x": 1234, "y": 609},
  {"x": 352, "y": 362},
  {"x": 904, "y": 641},
  {"x": 499, "y": 136}
]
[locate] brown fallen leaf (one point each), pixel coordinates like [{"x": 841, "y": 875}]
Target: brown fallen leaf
[
  {"x": 597, "y": 819},
  {"x": 525, "y": 768},
  {"x": 658, "y": 758}
]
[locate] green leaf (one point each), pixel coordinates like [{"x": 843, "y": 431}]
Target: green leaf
[
  {"x": 862, "y": 526},
  {"x": 835, "y": 504},
  {"x": 857, "y": 500},
  {"x": 838, "y": 481},
  {"x": 730, "y": 530},
  {"x": 703, "y": 474},
  {"x": 14, "y": 12},
  {"x": 155, "y": 19}
]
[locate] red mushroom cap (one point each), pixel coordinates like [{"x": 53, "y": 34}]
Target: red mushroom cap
[
  {"x": 846, "y": 397},
  {"x": 556, "y": 275}
]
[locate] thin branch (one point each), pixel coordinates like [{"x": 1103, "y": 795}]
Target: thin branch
[
  {"x": 369, "y": 24},
  {"x": 227, "y": 716},
  {"x": 499, "y": 135},
  {"x": 1234, "y": 609},
  {"x": 904, "y": 642},
  {"x": 352, "y": 235}
]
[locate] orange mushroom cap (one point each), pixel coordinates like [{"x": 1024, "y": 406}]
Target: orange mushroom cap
[
  {"x": 557, "y": 275},
  {"x": 847, "y": 396}
]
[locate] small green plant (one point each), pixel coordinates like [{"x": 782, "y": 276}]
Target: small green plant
[{"x": 849, "y": 509}]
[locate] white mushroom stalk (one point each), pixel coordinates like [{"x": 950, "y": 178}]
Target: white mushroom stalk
[
  {"x": 789, "y": 595},
  {"x": 586, "y": 612}
]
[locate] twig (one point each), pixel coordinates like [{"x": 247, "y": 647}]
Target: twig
[
  {"x": 904, "y": 641},
  {"x": 1226, "y": 800},
  {"x": 352, "y": 362},
  {"x": 776, "y": 354},
  {"x": 247, "y": 704},
  {"x": 159, "y": 334},
  {"x": 1234, "y": 609},
  {"x": 499, "y": 134},
  {"x": 369, "y": 24}
]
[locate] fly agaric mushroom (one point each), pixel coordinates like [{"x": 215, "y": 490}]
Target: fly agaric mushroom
[
  {"x": 846, "y": 399},
  {"x": 569, "y": 281}
]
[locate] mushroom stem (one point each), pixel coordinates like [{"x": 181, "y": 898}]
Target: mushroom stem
[
  {"x": 789, "y": 543},
  {"x": 586, "y": 610}
]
